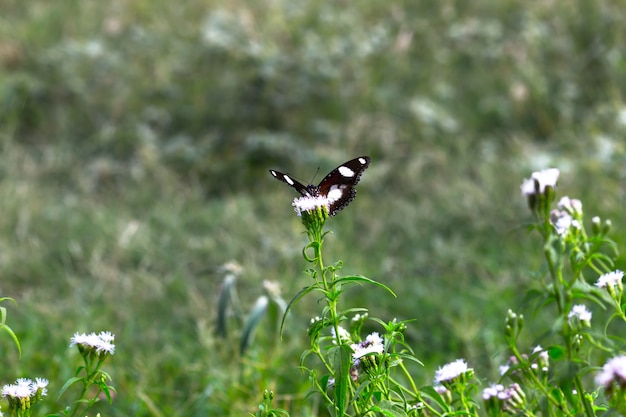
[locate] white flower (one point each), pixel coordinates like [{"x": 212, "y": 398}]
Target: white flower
[
  {"x": 503, "y": 369},
  {"x": 78, "y": 339},
  {"x": 571, "y": 205},
  {"x": 344, "y": 335},
  {"x": 581, "y": 313},
  {"x": 41, "y": 384},
  {"x": 564, "y": 203},
  {"x": 24, "y": 382},
  {"x": 563, "y": 223},
  {"x": 9, "y": 390},
  {"x": 108, "y": 336},
  {"x": 308, "y": 204},
  {"x": 528, "y": 187},
  {"x": 543, "y": 358},
  {"x": 106, "y": 347},
  {"x": 510, "y": 398},
  {"x": 373, "y": 343},
  {"x": 16, "y": 391},
  {"x": 612, "y": 279},
  {"x": 451, "y": 371},
  {"x": 272, "y": 288},
  {"x": 545, "y": 178},
  {"x": 23, "y": 388},
  {"x": 98, "y": 343},
  {"x": 492, "y": 391},
  {"x": 359, "y": 317},
  {"x": 613, "y": 371},
  {"x": 440, "y": 389}
]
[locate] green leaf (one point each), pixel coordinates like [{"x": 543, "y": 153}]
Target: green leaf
[
  {"x": 3, "y": 326},
  {"x": 278, "y": 412},
  {"x": 409, "y": 358},
  {"x": 68, "y": 384},
  {"x": 345, "y": 313},
  {"x": 431, "y": 393},
  {"x": 223, "y": 301},
  {"x": 275, "y": 311},
  {"x": 313, "y": 245},
  {"x": 390, "y": 409},
  {"x": 362, "y": 387},
  {"x": 13, "y": 336},
  {"x": 361, "y": 279},
  {"x": 341, "y": 361},
  {"x": 258, "y": 311},
  {"x": 106, "y": 389},
  {"x": 556, "y": 352},
  {"x": 304, "y": 291}
]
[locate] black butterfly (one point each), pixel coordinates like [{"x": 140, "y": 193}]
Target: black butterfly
[{"x": 337, "y": 186}]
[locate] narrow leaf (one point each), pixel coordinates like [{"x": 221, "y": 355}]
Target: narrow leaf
[
  {"x": 361, "y": 279},
  {"x": 223, "y": 301},
  {"x": 389, "y": 409},
  {"x": 14, "y": 337},
  {"x": 304, "y": 291},
  {"x": 68, "y": 384},
  {"x": 258, "y": 311}
]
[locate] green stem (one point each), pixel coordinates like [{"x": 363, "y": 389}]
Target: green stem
[
  {"x": 316, "y": 236},
  {"x": 579, "y": 388}
]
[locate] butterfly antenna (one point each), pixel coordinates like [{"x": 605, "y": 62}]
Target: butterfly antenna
[{"x": 316, "y": 172}]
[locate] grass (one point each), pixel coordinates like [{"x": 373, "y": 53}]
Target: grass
[{"x": 136, "y": 139}]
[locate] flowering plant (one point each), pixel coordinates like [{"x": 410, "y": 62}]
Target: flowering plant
[
  {"x": 363, "y": 376},
  {"x": 94, "y": 349}
]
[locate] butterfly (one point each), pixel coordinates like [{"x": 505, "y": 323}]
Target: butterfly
[{"x": 337, "y": 186}]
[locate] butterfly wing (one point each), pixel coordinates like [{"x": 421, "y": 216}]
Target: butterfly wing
[
  {"x": 301, "y": 188},
  {"x": 338, "y": 185}
]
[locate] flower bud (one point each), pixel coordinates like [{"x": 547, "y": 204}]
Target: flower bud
[
  {"x": 540, "y": 191},
  {"x": 513, "y": 324},
  {"x": 596, "y": 225},
  {"x": 517, "y": 397}
]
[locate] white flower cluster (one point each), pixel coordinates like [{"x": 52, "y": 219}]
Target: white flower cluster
[
  {"x": 565, "y": 219},
  {"x": 543, "y": 359},
  {"x": 451, "y": 371},
  {"x": 99, "y": 343},
  {"x": 500, "y": 392},
  {"x": 545, "y": 178},
  {"x": 614, "y": 371},
  {"x": 310, "y": 204},
  {"x": 25, "y": 388},
  {"x": 509, "y": 399},
  {"x": 344, "y": 335},
  {"x": 373, "y": 343},
  {"x": 611, "y": 279},
  {"x": 581, "y": 313}
]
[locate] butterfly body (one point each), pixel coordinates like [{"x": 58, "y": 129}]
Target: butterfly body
[{"x": 337, "y": 186}]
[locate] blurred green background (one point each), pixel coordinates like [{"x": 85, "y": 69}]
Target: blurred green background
[{"x": 136, "y": 139}]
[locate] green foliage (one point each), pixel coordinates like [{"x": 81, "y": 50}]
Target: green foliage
[
  {"x": 136, "y": 139},
  {"x": 6, "y": 328},
  {"x": 357, "y": 374}
]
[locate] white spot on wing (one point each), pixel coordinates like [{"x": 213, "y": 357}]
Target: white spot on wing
[
  {"x": 288, "y": 180},
  {"x": 345, "y": 171},
  {"x": 362, "y": 161},
  {"x": 334, "y": 194}
]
